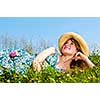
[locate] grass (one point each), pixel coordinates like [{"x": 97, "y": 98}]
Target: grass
[{"x": 50, "y": 75}]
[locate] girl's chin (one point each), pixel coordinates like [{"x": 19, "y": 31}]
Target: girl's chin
[{"x": 67, "y": 53}]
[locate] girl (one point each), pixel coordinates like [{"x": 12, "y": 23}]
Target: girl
[{"x": 73, "y": 51}]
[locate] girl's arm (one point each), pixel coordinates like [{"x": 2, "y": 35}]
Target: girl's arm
[
  {"x": 81, "y": 56},
  {"x": 90, "y": 64},
  {"x": 37, "y": 62}
]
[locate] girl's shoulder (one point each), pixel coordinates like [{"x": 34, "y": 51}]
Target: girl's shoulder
[{"x": 53, "y": 59}]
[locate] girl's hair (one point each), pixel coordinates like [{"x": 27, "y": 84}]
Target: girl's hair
[{"x": 79, "y": 63}]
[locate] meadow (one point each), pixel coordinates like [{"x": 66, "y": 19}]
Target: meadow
[{"x": 49, "y": 74}]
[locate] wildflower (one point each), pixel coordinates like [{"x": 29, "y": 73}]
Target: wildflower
[{"x": 12, "y": 54}]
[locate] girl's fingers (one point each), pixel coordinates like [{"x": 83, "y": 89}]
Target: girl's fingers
[
  {"x": 77, "y": 54},
  {"x": 78, "y": 58},
  {"x": 81, "y": 56}
]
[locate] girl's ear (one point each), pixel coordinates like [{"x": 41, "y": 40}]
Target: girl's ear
[{"x": 76, "y": 59}]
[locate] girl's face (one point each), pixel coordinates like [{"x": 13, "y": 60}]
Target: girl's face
[{"x": 69, "y": 48}]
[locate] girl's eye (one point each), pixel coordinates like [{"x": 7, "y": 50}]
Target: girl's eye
[{"x": 72, "y": 43}]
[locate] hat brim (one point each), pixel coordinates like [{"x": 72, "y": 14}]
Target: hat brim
[{"x": 66, "y": 36}]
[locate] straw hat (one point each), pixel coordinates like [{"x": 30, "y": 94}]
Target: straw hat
[{"x": 66, "y": 36}]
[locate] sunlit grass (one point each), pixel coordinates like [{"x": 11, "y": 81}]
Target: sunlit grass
[{"x": 50, "y": 75}]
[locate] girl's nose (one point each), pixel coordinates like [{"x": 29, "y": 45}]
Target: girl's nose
[{"x": 68, "y": 44}]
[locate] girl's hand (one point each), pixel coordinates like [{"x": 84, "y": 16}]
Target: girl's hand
[
  {"x": 83, "y": 57},
  {"x": 36, "y": 65},
  {"x": 80, "y": 56}
]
